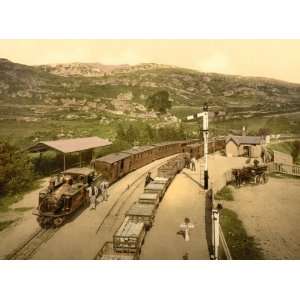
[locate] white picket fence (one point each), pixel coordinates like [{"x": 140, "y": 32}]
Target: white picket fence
[{"x": 284, "y": 169}]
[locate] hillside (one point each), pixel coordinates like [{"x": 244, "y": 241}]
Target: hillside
[{"x": 36, "y": 90}]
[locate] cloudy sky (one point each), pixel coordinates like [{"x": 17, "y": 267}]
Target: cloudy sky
[{"x": 278, "y": 59}]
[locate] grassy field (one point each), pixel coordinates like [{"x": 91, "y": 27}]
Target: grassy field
[
  {"x": 182, "y": 112},
  {"x": 240, "y": 244},
  {"x": 5, "y": 224},
  {"x": 7, "y": 200},
  {"x": 288, "y": 148},
  {"x": 276, "y": 125},
  {"x": 26, "y": 133}
]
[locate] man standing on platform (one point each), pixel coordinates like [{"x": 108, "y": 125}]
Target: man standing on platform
[
  {"x": 193, "y": 162},
  {"x": 93, "y": 192},
  {"x": 104, "y": 190}
]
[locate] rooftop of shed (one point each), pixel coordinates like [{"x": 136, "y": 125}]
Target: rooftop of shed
[
  {"x": 244, "y": 139},
  {"x": 70, "y": 145}
]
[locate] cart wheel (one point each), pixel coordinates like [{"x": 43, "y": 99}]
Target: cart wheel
[
  {"x": 266, "y": 178},
  {"x": 58, "y": 221},
  {"x": 257, "y": 179}
]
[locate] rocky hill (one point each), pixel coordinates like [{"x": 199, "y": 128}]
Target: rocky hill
[
  {"x": 124, "y": 87},
  {"x": 96, "y": 69}
]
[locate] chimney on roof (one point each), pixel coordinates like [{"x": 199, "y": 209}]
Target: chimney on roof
[{"x": 244, "y": 131}]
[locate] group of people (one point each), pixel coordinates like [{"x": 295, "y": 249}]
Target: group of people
[
  {"x": 95, "y": 191},
  {"x": 190, "y": 163}
]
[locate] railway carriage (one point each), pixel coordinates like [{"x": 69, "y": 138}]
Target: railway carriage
[
  {"x": 220, "y": 144},
  {"x": 114, "y": 166},
  {"x": 195, "y": 150},
  {"x": 140, "y": 156},
  {"x": 166, "y": 149}
]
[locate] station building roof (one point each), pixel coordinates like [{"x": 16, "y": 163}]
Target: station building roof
[
  {"x": 244, "y": 139},
  {"x": 70, "y": 145}
]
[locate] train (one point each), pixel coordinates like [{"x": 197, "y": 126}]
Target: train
[
  {"x": 116, "y": 165},
  {"x": 67, "y": 192}
]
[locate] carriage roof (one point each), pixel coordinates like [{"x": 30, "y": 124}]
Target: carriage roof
[
  {"x": 137, "y": 150},
  {"x": 114, "y": 157}
]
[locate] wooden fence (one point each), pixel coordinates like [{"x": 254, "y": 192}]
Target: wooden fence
[{"x": 284, "y": 169}]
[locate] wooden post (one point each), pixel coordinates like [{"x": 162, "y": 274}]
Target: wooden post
[{"x": 64, "y": 161}]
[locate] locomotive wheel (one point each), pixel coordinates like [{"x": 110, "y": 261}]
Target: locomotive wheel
[
  {"x": 44, "y": 222},
  {"x": 58, "y": 221},
  {"x": 40, "y": 221}
]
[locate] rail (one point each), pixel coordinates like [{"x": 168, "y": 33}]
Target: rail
[{"x": 293, "y": 170}]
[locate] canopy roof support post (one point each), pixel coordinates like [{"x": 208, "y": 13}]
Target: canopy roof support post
[{"x": 64, "y": 161}]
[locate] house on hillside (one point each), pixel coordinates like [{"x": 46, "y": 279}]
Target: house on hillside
[{"x": 243, "y": 145}]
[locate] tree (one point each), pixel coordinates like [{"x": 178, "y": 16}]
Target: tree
[
  {"x": 121, "y": 135},
  {"x": 132, "y": 134},
  {"x": 16, "y": 169},
  {"x": 264, "y": 131},
  {"x": 159, "y": 102},
  {"x": 296, "y": 151},
  {"x": 150, "y": 132}
]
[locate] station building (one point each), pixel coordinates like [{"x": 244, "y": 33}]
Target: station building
[{"x": 248, "y": 146}]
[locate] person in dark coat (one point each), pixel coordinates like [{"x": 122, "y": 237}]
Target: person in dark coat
[{"x": 148, "y": 179}]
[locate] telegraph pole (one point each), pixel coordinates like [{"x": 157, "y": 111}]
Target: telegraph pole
[
  {"x": 205, "y": 137},
  {"x": 204, "y": 116}
]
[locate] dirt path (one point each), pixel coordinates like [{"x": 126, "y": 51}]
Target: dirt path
[
  {"x": 25, "y": 223},
  {"x": 270, "y": 213}
]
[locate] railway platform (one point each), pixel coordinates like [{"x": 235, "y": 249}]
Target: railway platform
[{"x": 184, "y": 198}]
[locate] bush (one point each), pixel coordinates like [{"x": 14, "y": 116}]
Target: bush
[{"x": 224, "y": 194}]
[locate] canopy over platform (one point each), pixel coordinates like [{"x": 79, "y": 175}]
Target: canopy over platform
[{"x": 70, "y": 145}]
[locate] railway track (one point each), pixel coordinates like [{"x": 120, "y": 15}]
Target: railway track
[
  {"x": 29, "y": 248},
  {"x": 41, "y": 236},
  {"x": 114, "y": 211}
]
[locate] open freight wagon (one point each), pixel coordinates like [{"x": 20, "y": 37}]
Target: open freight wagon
[
  {"x": 129, "y": 237},
  {"x": 140, "y": 212}
]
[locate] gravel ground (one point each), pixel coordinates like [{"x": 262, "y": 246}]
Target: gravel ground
[{"x": 270, "y": 213}]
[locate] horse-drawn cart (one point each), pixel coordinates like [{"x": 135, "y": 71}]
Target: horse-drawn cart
[{"x": 252, "y": 174}]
